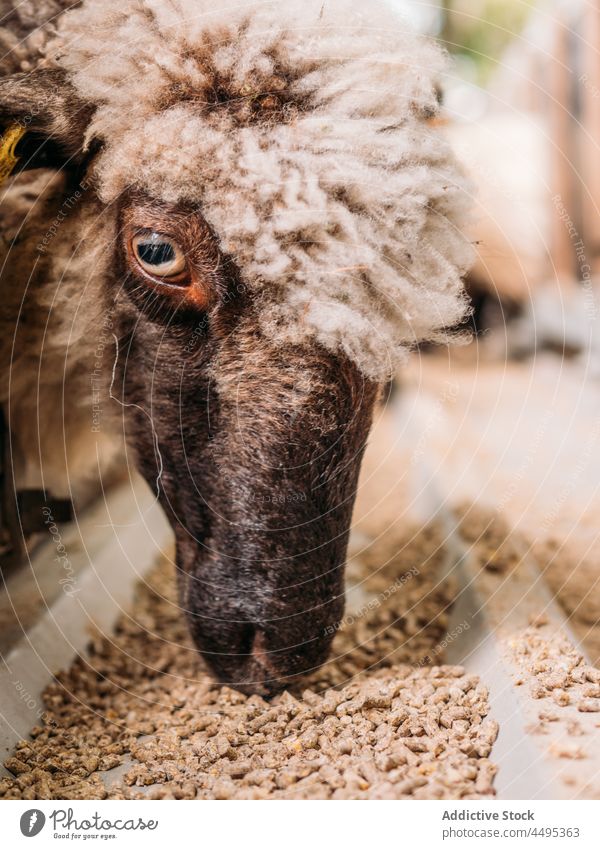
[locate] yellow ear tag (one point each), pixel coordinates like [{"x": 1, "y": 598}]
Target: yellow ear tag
[{"x": 8, "y": 143}]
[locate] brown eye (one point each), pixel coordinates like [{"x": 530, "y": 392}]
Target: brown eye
[{"x": 158, "y": 254}]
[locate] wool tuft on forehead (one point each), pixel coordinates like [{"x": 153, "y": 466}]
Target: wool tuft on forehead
[{"x": 303, "y": 131}]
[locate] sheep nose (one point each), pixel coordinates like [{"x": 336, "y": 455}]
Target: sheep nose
[
  {"x": 259, "y": 670},
  {"x": 260, "y": 662}
]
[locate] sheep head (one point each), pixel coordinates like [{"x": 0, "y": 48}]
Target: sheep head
[
  {"x": 253, "y": 448},
  {"x": 278, "y": 226}
]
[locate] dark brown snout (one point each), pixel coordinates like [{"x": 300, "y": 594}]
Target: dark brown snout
[
  {"x": 263, "y": 578},
  {"x": 257, "y": 451},
  {"x": 259, "y": 619}
]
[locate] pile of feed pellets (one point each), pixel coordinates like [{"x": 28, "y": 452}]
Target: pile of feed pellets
[{"x": 140, "y": 717}]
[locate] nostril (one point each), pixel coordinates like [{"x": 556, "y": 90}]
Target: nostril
[
  {"x": 255, "y": 657},
  {"x": 247, "y": 638}
]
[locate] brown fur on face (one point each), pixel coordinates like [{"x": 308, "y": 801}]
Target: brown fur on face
[{"x": 272, "y": 97}]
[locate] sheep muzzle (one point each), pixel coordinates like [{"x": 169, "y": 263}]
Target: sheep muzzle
[
  {"x": 263, "y": 587},
  {"x": 257, "y": 452}
]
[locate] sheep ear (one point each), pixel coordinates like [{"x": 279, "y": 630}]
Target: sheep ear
[{"x": 42, "y": 122}]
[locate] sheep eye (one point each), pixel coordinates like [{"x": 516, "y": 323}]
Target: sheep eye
[{"x": 158, "y": 254}]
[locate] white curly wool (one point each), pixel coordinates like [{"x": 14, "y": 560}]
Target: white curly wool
[{"x": 301, "y": 128}]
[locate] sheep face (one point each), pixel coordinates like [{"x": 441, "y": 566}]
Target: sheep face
[
  {"x": 281, "y": 225},
  {"x": 255, "y": 449}
]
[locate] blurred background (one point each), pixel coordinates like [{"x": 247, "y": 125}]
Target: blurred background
[
  {"x": 522, "y": 108},
  {"x": 509, "y": 425}
]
